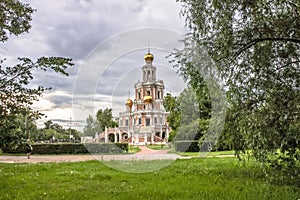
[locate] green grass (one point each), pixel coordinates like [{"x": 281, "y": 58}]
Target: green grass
[
  {"x": 133, "y": 149},
  {"x": 201, "y": 178},
  {"x": 212, "y": 153},
  {"x": 159, "y": 147}
]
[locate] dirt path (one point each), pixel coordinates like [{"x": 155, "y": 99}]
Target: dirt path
[
  {"x": 144, "y": 154},
  {"x": 146, "y": 150}
]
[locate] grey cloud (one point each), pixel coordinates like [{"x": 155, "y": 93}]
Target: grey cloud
[
  {"x": 74, "y": 28},
  {"x": 61, "y": 101}
]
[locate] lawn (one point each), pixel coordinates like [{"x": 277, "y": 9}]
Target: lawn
[
  {"x": 210, "y": 154},
  {"x": 159, "y": 147},
  {"x": 199, "y": 178}
]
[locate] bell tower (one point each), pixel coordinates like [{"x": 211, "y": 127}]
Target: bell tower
[{"x": 149, "y": 71}]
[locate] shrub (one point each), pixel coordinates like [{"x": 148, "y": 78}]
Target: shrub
[
  {"x": 187, "y": 146},
  {"x": 70, "y": 148}
]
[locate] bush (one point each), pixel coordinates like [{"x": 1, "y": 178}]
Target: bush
[
  {"x": 195, "y": 146},
  {"x": 187, "y": 146},
  {"x": 68, "y": 148}
]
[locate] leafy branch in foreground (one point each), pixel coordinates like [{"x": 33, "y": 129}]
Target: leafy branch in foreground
[
  {"x": 15, "y": 18},
  {"x": 256, "y": 48},
  {"x": 17, "y": 95}
]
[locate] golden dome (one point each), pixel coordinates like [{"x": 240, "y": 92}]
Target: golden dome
[
  {"x": 149, "y": 57},
  {"x": 129, "y": 103},
  {"x": 147, "y": 99}
]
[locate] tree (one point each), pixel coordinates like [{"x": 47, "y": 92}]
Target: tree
[
  {"x": 171, "y": 104},
  {"x": 186, "y": 119},
  {"x": 105, "y": 118},
  {"x": 15, "y": 18},
  {"x": 256, "y": 48},
  {"x": 92, "y": 127},
  {"x": 16, "y": 93},
  {"x": 48, "y": 124}
]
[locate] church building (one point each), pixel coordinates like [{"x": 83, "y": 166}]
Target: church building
[{"x": 144, "y": 120}]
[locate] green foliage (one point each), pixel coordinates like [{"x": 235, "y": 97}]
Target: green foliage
[
  {"x": 71, "y": 148},
  {"x": 16, "y": 93},
  {"x": 187, "y": 146},
  {"x": 255, "y": 46},
  {"x": 47, "y": 134},
  {"x": 48, "y": 124},
  {"x": 15, "y": 18},
  {"x": 105, "y": 118},
  {"x": 171, "y": 104},
  {"x": 193, "y": 131},
  {"x": 92, "y": 127},
  {"x": 172, "y": 135},
  {"x": 189, "y": 115},
  {"x": 53, "y": 129},
  {"x": 13, "y": 133},
  {"x": 107, "y": 147}
]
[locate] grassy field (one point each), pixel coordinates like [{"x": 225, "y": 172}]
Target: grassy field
[
  {"x": 212, "y": 153},
  {"x": 159, "y": 147},
  {"x": 201, "y": 178}
]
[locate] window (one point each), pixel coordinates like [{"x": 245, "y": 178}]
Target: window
[
  {"x": 155, "y": 120},
  {"x": 148, "y": 93},
  {"x": 158, "y": 94},
  {"x": 126, "y": 122},
  {"x": 139, "y": 95},
  {"x": 147, "y": 121},
  {"x": 140, "y": 120}
]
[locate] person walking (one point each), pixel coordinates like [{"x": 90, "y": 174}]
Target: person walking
[{"x": 28, "y": 149}]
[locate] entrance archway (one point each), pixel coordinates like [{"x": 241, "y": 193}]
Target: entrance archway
[
  {"x": 124, "y": 136},
  {"x": 163, "y": 135},
  {"x": 111, "y": 137}
]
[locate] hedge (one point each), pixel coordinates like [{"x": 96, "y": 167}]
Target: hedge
[
  {"x": 70, "y": 148},
  {"x": 194, "y": 146},
  {"x": 187, "y": 146}
]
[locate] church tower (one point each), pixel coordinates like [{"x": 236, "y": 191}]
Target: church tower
[
  {"x": 145, "y": 119},
  {"x": 149, "y": 92}
]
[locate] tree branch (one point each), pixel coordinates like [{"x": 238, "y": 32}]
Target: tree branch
[{"x": 258, "y": 40}]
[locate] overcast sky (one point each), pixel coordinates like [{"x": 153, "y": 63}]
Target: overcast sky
[{"x": 107, "y": 40}]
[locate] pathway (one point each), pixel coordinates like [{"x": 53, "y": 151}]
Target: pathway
[{"x": 144, "y": 154}]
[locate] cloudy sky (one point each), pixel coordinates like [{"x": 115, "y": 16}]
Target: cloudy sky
[{"x": 107, "y": 40}]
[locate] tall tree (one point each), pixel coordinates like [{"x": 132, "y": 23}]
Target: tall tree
[
  {"x": 48, "y": 124},
  {"x": 92, "y": 127},
  {"x": 16, "y": 93},
  {"x": 105, "y": 118},
  {"x": 256, "y": 48},
  {"x": 188, "y": 117},
  {"x": 171, "y": 104}
]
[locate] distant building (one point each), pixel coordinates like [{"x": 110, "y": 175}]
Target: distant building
[{"x": 145, "y": 119}]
